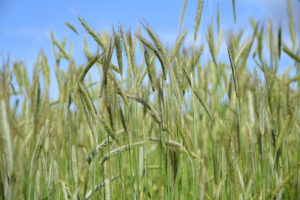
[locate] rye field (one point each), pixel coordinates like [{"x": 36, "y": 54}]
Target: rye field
[{"x": 160, "y": 121}]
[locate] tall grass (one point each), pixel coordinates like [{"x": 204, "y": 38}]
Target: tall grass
[{"x": 190, "y": 128}]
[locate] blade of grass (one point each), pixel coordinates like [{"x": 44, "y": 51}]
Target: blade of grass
[
  {"x": 183, "y": 13},
  {"x": 71, "y": 27},
  {"x": 198, "y": 18},
  {"x": 92, "y": 33}
]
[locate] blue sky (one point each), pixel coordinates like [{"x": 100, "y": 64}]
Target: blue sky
[{"x": 25, "y": 25}]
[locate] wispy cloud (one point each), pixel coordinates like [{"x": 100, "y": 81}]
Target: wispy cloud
[{"x": 277, "y": 9}]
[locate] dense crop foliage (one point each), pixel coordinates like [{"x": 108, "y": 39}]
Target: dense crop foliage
[{"x": 172, "y": 126}]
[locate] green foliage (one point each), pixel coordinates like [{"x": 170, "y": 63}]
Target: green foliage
[{"x": 170, "y": 132}]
